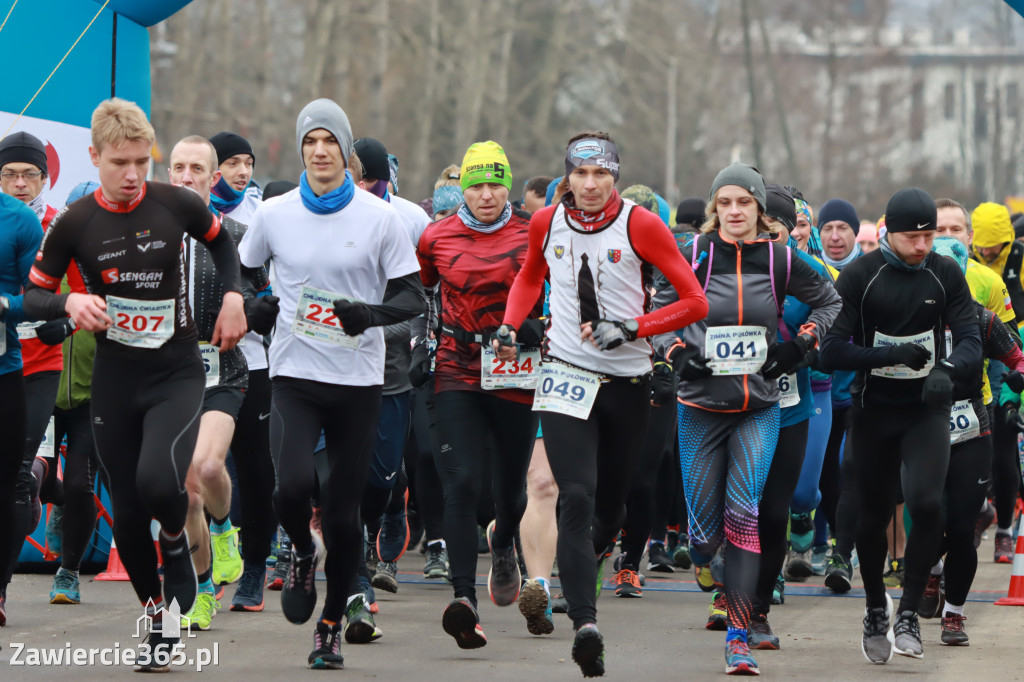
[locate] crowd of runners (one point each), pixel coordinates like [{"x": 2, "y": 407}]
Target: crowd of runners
[{"x": 754, "y": 388}]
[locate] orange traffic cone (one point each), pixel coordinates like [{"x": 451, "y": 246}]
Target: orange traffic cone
[
  {"x": 115, "y": 569},
  {"x": 1015, "y": 595}
]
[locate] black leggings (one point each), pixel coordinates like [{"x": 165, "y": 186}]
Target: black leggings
[
  {"x": 425, "y": 482},
  {"x": 79, "y": 520},
  {"x": 641, "y": 503},
  {"x": 250, "y": 448},
  {"x": 592, "y": 462},
  {"x": 970, "y": 465},
  {"x": 473, "y": 427},
  {"x": 838, "y": 483},
  {"x": 1005, "y": 471},
  {"x": 914, "y": 439},
  {"x": 670, "y": 503},
  {"x": 145, "y": 422},
  {"x": 12, "y": 426},
  {"x": 773, "y": 510},
  {"x": 347, "y": 415}
]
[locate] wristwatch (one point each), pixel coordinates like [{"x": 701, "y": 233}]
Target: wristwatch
[
  {"x": 946, "y": 364},
  {"x": 632, "y": 327}
]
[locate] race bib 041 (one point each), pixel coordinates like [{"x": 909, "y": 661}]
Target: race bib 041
[
  {"x": 924, "y": 339},
  {"x": 314, "y": 318},
  {"x": 734, "y": 350},
  {"x": 140, "y": 324},
  {"x": 565, "y": 390},
  {"x": 497, "y": 374}
]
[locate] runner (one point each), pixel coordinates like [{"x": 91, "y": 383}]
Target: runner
[
  {"x": 897, "y": 303},
  {"x": 594, "y": 388},
  {"x": 730, "y": 365},
  {"x": 20, "y": 239},
  {"x": 335, "y": 252},
  {"x": 148, "y": 374}
]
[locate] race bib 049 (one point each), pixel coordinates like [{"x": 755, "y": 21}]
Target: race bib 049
[
  {"x": 565, "y": 390},
  {"x": 924, "y": 339},
  {"x": 497, "y": 374},
  {"x": 314, "y": 318},
  {"x": 740, "y": 349},
  {"x": 140, "y": 324}
]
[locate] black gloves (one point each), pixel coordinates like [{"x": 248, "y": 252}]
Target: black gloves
[
  {"x": 1014, "y": 380},
  {"x": 419, "y": 365},
  {"x": 54, "y": 332},
  {"x": 690, "y": 364},
  {"x": 808, "y": 361},
  {"x": 355, "y": 317},
  {"x": 783, "y": 358},
  {"x": 938, "y": 386},
  {"x": 1009, "y": 416},
  {"x": 909, "y": 354},
  {"x": 664, "y": 383},
  {"x": 609, "y": 334},
  {"x": 531, "y": 333},
  {"x": 261, "y": 313}
]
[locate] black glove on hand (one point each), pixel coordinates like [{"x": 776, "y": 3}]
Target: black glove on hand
[
  {"x": 1015, "y": 380},
  {"x": 354, "y": 316},
  {"x": 54, "y": 332},
  {"x": 690, "y": 364},
  {"x": 808, "y": 361},
  {"x": 261, "y": 313},
  {"x": 664, "y": 383},
  {"x": 938, "y": 387},
  {"x": 419, "y": 365},
  {"x": 1008, "y": 415},
  {"x": 909, "y": 354},
  {"x": 531, "y": 333},
  {"x": 784, "y": 357},
  {"x": 610, "y": 334}
]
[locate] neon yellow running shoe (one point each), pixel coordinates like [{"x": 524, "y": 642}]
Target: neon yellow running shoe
[
  {"x": 227, "y": 561},
  {"x": 202, "y": 613}
]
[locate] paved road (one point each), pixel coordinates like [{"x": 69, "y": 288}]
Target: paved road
[{"x": 658, "y": 637}]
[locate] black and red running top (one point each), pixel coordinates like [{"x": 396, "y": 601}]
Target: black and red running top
[
  {"x": 476, "y": 271},
  {"x": 133, "y": 250}
]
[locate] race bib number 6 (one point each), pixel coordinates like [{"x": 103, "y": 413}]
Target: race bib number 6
[
  {"x": 565, "y": 390},
  {"x": 740, "y": 349},
  {"x": 498, "y": 374},
  {"x": 140, "y": 324},
  {"x": 314, "y": 318},
  {"x": 789, "y": 392}
]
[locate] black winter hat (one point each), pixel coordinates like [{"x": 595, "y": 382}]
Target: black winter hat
[
  {"x": 276, "y": 188},
  {"x": 690, "y": 213},
  {"x": 374, "y": 157},
  {"x": 20, "y": 147},
  {"x": 910, "y": 210},
  {"x": 780, "y": 205},
  {"x": 229, "y": 144}
]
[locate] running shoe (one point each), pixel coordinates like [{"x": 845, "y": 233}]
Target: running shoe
[
  {"x": 759, "y": 633},
  {"x": 368, "y": 592},
  {"x": 932, "y": 599},
  {"x": 985, "y": 519},
  {"x": 738, "y": 660},
  {"x": 360, "y": 627},
  {"x": 326, "y": 654},
  {"x": 717, "y": 613},
  {"x": 953, "y": 633},
  {"x": 907, "y": 635},
  {"x": 200, "y": 617},
  {"x": 681, "y": 554},
  {"x": 386, "y": 577},
  {"x": 559, "y": 604},
  {"x": 535, "y": 605},
  {"x": 877, "y": 640},
  {"x": 298, "y": 598},
  {"x": 671, "y": 540},
  {"x": 1004, "y": 549},
  {"x": 839, "y": 574},
  {"x": 600, "y": 576},
  {"x": 393, "y": 536},
  {"x": 894, "y": 576},
  {"x": 156, "y": 653},
  {"x": 504, "y": 579},
  {"x": 280, "y": 574},
  {"x": 436, "y": 565},
  {"x": 779, "y": 591},
  {"x": 627, "y": 584},
  {"x": 65, "y": 588},
  {"x": 801, "y": 532},
  {"x": 249, "y": 594},
  {"x": 658, "y": 559},
  {"x": 819, "y": 559},
  {"x": 461, "y": 621},
  {"x": 704, "y": 579},
  {"x": 54, "y": 534},
  {"x": 588, "y": 651},
  {"x": 179, "y": 572},
  {"x": 798, "y": 566},
  {"x": 227, "y": 561}
]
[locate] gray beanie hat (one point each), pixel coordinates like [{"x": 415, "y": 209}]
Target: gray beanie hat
[
  {"x": 745, "y": 176},
  {"x": 326, "y": 114}
]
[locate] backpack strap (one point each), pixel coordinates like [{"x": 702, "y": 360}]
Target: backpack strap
[
  {"x": 779, "y": 274},
  {"x": 701, "y": 258}
]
